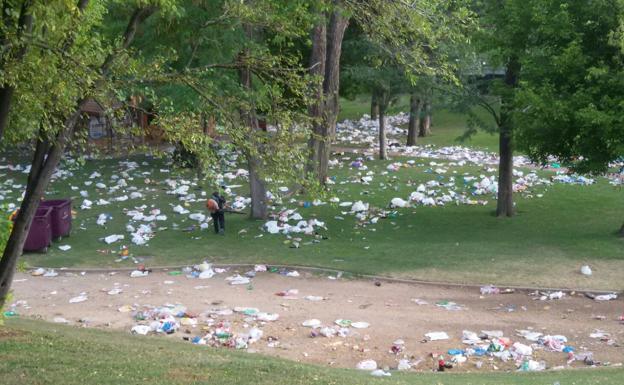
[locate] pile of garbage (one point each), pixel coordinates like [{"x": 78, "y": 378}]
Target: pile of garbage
[
  {"x": 280, "y": 224},
  {"x": 365, "y": 131},
  {"x": 341, "y": 328},
  {"x": 493, "y": 343},
  {"x": 212, "y": 327},
  {"x": 160, "y": 319}
]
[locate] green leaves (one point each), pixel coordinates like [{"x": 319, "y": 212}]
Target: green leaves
[{"x": 569, "y": 101}]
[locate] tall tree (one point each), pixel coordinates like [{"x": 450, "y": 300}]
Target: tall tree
[
  {"x": 501, "y": 44},
  {"x": 416, "y": 38},
  {"x": 326, "y": 52},
  {"x": 416, "y": 104},
  {"x": 383, "y": 97},
  {"x": 569, "y": 102},
  {"x": 369, "y": 69},
  {"x": 374, "y": 107},
  {"x": 75, "y": 67},
  {"x": 238, "y": 77},
  {"x": 257, "y": 188}
]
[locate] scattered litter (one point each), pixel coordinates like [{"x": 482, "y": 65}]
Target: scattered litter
[
  {"x": 437, "y": 336},
  {"x": 529, "y": 335},
  {"x": 532, "y": 366},
  {"x": 81, "y": 298},
  {"x": 312, "y": 323},
  {"x": 448, "y": 305},
  {"x": 367, "y": 365},
  {"x": 140, "y": 329},
  {"x": 586, "y": 270},
  {"x": 404, "y": 365},
  {"x": 380, "y": 373},
  {"x": 489, "y": 289},
  {"x": 549, "y": 295},
  {"x": 113, "y": 238},
  {"x": 360, "y": 325},
  {"x": 606, "y": 297},
  {"x": 238, "y": 280},
  {"x": 599, "y": 334}
]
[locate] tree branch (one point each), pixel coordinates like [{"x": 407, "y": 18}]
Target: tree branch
[{"x": 139, "y": 15}]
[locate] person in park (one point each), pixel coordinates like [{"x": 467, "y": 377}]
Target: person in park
[{"x": 216, "y": 207}]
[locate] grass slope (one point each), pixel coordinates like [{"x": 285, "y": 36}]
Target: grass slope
[
  {"x": 544, "y": 245},
  {"x": 35, "y": 352}
]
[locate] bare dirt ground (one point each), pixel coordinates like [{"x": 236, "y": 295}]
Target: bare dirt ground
[{"x": 389, "y": 308}]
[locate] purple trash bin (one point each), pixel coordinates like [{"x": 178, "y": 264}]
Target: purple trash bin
[
  {"x": 40, "y": 233},
  {"x": 60, "y": 217}
]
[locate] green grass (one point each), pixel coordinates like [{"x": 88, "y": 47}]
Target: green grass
[
  {"x": 544, "y": 245},
  {"x": 35, "y": 352},
  {"x": 447, "y": 128}
]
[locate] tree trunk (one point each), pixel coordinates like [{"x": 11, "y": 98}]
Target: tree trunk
[
  {"x": 504, "y": 205},
  {"x": 317, "y": 69},
  {"x": 256, "y": 183},
  {"x": 383, "y": 155},
  {"x": 44, "y": 163},
  {"x": 257, "y": 190},
  {"x": 331, "y": 84},
  {"x": 428, "y": 118},
  {"x": 6, "y": 93},
  {"x": 414, "y": 120},
  {"x": 374, "y": 107},
  {"x": 425, "y": 121},
  {"x": 621, "y": 231}
]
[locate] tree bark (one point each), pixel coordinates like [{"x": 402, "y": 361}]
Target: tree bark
[
  {"x": 41, "y": 150},
  {"x": 425, "y": 121},
  {"x": 317, "y": 69},
  {"x": 504, "y": 205},
  {"x": 414, "y": 120},
  {"x": 257, "y": 186},
  {"x": 621, "y": 231},
  {"x": 331, "y": 84},
  {"x": 383, "y": 154},
  {"x": 428, "y": 117},
  {"x": 374, "y": 107}
]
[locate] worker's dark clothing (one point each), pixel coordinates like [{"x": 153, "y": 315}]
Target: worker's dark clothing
[{"x": 218, "y": 216}]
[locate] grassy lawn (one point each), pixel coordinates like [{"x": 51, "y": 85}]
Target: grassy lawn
[
  {"x": 545, "y": 244},
  {"x": 447, "y": 128},
  {"x": 35, "y": 352}
]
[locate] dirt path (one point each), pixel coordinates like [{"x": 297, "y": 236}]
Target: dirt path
[{"x": 389, "y": 308}]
